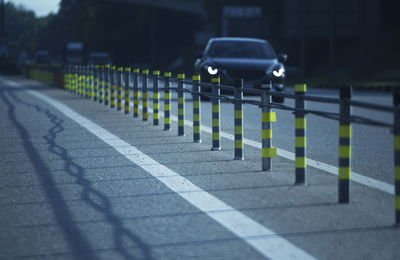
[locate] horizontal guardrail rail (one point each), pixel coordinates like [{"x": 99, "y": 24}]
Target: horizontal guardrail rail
[{"x": 99, "y": 83}]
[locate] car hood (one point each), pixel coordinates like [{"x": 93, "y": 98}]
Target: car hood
[{"x": 240, "y": 63}]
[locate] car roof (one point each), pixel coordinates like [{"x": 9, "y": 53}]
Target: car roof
[{"x": 237, "y": 39}]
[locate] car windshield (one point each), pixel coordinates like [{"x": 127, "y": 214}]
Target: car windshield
[{"x": 241, "y": 49}]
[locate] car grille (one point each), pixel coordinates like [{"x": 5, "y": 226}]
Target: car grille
[{"x": 246, "y": 74}]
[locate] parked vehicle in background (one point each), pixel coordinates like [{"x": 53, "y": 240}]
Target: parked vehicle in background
[
  {"x": 250, "y": 59},
  {"x": 99, "y": 58},
  {"x": 74, "y": 53},
  {"x": 42, "y": 57}
]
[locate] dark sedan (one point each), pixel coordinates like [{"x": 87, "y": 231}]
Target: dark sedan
[{"x": 253, "y": 60}]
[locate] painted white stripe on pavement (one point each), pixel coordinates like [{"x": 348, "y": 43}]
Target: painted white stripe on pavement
[{"x": 264, "y": 240}]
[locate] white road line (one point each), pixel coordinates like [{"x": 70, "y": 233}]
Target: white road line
[
  {"x": 264, "y": 240},
  {"x": 356, "y": 177}
]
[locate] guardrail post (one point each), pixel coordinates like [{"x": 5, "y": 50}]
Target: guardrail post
[
  {"x": 113, "y": 77},
  {"x": 127, "y": 90},
  {"x": 119, "y": 88},
  {"x": 91, "y": 81},
  {"x": 79, "y": 75},
  {"x": 145, "y": 98},
  {"x": 238, "y": 119},
  {"x": 216, "y": 135},
  {"x": 88, "y": 81},
  {"x": 196, "y": 109},
  {"x": 181, "y": 105},
  {"x": 300, "y": 134},
  {"x": 82, "y": 81},
  {"x": 267, "y": 151},
  {"x": 96, "y": 82},
  {"x": 106, "y": 84},
  {"x": 156, "y": 97},
  {"x": 136, "y": 93},
  {"x": 345, "y": 133},
  {"x": 74, "y": 79},
  {"x": 396, "y": 133},
  {"x": 167, "y": 101},
  {"x": 101, "y": 84}
]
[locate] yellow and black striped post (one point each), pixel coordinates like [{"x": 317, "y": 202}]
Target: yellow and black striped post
[
  {"x": 96, "y": 82},
  {"x": 79, "y": 80},
  {"x": 300, "y": 134},
  {"x": 238, "y": 119},
  {"x": 75, "y": 80},
  {"x": 91, "y": 81},
  {"x": 85, "y": 81},
  {"x": 181, "y": 105},
  {"x": 127, "y": 90},
  {"x": 101, "y": 90},
  {"x": 268, "y": 117},
  {"x": 145, "y": 98},
  {"x": 156, "y": 97},
  {"x": 196, "y": 109},
  {"x": 88, "y": 82},
  {"x": 119, "y": 88},
  {"x": 396, "y": 132},
  {"x": 345, "y": 133},
  {"x": 112, "y": 86},
  {"x": 216, "y": 135},
  {"x": 136, "y": 92},
  {"x": 106, "y": 84},
  {"x": 167, "y": 101}
]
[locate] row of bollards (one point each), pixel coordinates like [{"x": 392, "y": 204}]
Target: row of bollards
[{"x": 101, "y": 82}]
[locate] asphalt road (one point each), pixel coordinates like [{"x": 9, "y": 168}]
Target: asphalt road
[{"x": 79, "y": 180}]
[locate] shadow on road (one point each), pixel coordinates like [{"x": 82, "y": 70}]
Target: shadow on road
[{"x": 79, "y": 244}]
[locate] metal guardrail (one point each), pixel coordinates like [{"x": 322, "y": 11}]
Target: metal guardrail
[{"x": 99, "y": 83}]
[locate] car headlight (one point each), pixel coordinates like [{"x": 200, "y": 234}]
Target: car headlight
[
  {"x": 278, "y": 72},
  {"x": 211, "y": 70}
]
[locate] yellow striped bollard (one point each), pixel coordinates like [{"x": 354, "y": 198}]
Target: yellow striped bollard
[
  {"x": 106, "y": 84},
  {"x": 113, "y": 76},
  {"x": 156, "y": 97},
  {"x": 91, "y": 82},
  {"x": 119, "y": 86},
  {"x": 238, "y": 119},
  {"x": 136, "y": 92},
  {"x": 167, "y": 101},
  {"x": 300, "y": 134},
  {"x": 75, "y": 80},
  {"x": 79, "y": 80},
  {"x": 345, "y": 133},
  {"x": 145, "y": 97},
  {"x": 127, "y": 90},
  {"x": 101, "y": 90},
  {"x": 267, "y": 151},
  {"x": 181, "y": 105},
  {"x": 196, "y": 109},
  {"x": 216, "y": 124},
  {"x": 396, "y": 132},
  {"x": 86, "y": 81},
  {"x": 96, "y": 82}
]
